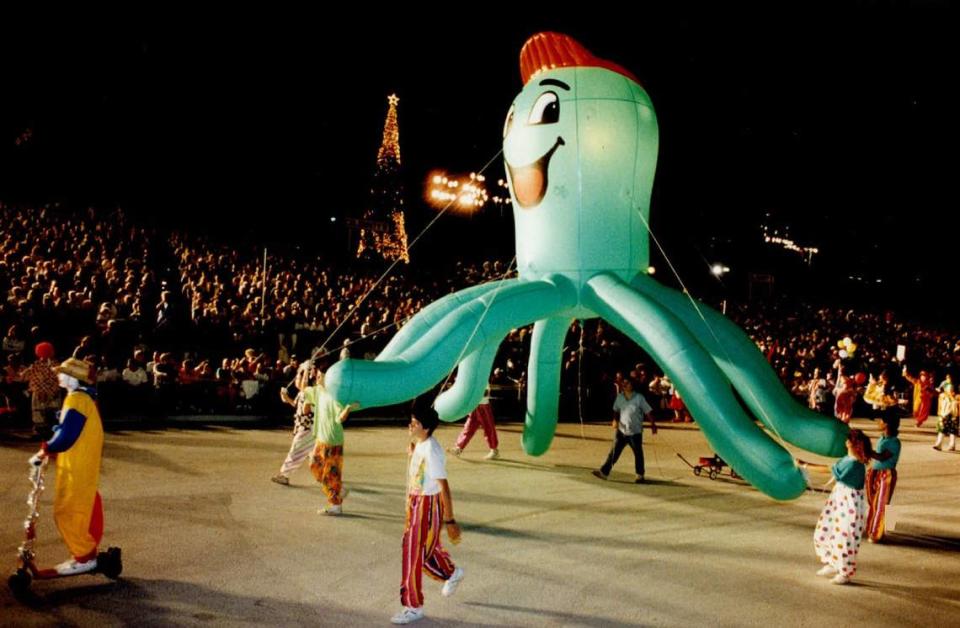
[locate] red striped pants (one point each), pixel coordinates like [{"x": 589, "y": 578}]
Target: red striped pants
[
  {"x": 482, "y": 417},
  {"x": 880, "y": 485},
  {"x": 422, "y": 550}
]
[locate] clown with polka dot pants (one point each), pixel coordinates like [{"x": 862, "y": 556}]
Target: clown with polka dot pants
[{"x": 840, "y": 526}]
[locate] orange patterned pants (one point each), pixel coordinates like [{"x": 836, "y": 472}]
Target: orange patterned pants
[{"x": 327, "y": 468}]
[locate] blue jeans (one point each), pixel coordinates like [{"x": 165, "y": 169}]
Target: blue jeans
[{"x": 621, "y": 440}]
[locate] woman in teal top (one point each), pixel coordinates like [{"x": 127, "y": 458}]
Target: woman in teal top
[
  {"x": 882, "y": 477},
  {"x": 840, "y": 526}
]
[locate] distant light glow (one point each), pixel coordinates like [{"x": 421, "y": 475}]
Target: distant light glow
[
  {"x": 462, "y": 194},
  {"x": 807, "y": 251},
  {"x": 718, "y": 270}
]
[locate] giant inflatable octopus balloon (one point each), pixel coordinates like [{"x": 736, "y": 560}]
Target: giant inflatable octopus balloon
[{"x": 580, "y": 146}]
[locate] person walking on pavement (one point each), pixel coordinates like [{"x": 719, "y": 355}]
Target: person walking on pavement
[{"x": 631, "y": 409}]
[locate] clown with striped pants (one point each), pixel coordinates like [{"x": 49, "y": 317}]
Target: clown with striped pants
[
  {"x": 429, "y": 509},
  {"x": 882, "y": 477}
]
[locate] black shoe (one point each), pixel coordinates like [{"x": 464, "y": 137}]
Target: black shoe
[
  {"x": 600, "y": 474},
  {"x": 639, "y": 480}
]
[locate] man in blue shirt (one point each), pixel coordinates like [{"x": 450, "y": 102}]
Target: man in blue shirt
[{"x": 631, "y": 409}]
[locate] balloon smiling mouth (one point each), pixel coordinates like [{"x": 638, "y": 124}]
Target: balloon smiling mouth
[{"x": 530, "y": 181}]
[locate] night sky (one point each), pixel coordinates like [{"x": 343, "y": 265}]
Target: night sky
[{"x": 839, "y": 121}]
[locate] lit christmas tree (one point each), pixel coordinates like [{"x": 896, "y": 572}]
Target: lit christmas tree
[{"x": 383, "y": 231}]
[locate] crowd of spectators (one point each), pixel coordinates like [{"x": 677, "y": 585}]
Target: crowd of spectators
[{"x": 178, "y": 323}]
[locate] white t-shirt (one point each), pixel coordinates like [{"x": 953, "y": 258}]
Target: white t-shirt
[
  {"x": 427, "y": 465},
  {"x": 135, "y": 377},
  {"x": 631, "y": 411}
]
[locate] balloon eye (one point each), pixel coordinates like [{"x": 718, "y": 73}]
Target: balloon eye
[
  {"x": 508, "y": 123},
  {"x": 546, "y": 110}
]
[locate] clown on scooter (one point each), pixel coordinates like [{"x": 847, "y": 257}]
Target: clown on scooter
[{"x": 76, "y": 446}]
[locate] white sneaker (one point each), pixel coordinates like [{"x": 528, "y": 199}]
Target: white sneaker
[
  {"x": 456, "y": 451},
  {"x": 331, "y": 511},
  {"x": 826, "y": 570},
  {"x": 407, "y": 615},
  {"x": 72, "y": 567},
  {"x": 450, "y": 586},
  {"x": 493, "y": 455},
  {"x": 840, "y": 579}
]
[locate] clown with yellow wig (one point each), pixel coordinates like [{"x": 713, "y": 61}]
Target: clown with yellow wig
[{"x": 77, "y": 444}]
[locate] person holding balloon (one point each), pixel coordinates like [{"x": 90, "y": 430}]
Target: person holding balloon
[{"x": 845, "y": 393}]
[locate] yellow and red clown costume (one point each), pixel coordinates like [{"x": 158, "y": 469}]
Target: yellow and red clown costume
[{"x": 77, "y": 445}]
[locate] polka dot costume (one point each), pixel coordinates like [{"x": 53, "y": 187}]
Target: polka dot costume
[{"x": 840, "y": 529}]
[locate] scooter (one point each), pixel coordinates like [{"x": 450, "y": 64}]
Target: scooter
[{"x": 108, "y": 562}]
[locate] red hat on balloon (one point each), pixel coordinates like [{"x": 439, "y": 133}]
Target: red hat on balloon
[{"x": 548, "y": 51}]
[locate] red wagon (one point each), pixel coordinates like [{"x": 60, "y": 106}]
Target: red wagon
[{"x": 712, "y": 465}]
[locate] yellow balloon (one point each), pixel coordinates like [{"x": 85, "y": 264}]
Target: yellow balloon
[
  {"x": 840, "y": 344},
  {"x": 851, "y": 347}
]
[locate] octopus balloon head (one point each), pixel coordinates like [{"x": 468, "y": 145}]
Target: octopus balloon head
[{"x": 580, "y": 145}]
